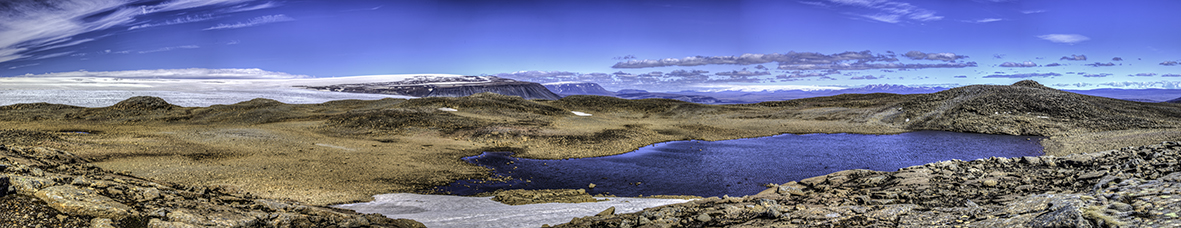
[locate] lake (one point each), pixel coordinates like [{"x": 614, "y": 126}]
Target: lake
[{"x": 741, "y": 166}]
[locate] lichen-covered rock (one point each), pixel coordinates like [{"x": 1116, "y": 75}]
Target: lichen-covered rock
[
  {"x": 75, "y": 201},
  {"x": 521, "y": 197},
  {"x": 27, "y": 185}
]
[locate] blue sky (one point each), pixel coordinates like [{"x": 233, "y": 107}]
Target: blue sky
[{"x": 571, "y": 40}]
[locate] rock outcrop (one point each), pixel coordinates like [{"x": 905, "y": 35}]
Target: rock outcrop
[
  {"x": 448, "y": 87},
  {"x": 55, "y": 188},
  {"x": 1130, "y": 187},
  {"x": 522, "y": 197}
]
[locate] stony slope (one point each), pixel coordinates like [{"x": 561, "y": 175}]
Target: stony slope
[
  {"x": 1028, "y": 108},
  {"x": 54, "y": 188},
  {"x": 1024, "y": 108},
  {"x": 1130, "y": 187}
]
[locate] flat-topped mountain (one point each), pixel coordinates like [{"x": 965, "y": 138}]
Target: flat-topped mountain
[
  {"x": 439, "y": 86},
  {"x": 577, "y": 88}
]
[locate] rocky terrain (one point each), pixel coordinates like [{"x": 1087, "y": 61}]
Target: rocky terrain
[
  {"x": 447, "y": 87},
  {"x": 45, "y": 187},
  {"x": 1129, "y": 187},
  {"x": 347, "y": 151}
]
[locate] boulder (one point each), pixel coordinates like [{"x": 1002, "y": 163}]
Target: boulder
[
  {"x": 218, "y": 219},
  {"x": 608, "y": 211},
  {"x": 71, "y": 200},
  {"x": 157, "y": 223},
  {"x": 26, "y": 185}
]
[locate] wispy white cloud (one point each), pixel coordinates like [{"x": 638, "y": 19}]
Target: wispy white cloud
[
  {"x": 182, "y": 20},
  {"x": 246, "y": 7},
  {"x": 254, "y": 22},
  {"x": 1033, "y": 11},
  {"x": 888, "y": 18},
  {"x": 31, "y": 27},
  {"x": 987, "y": 20},
  {"x": 23, "y": 66},
  {"x": 27, "y": 27},
  {"x": 1064, "y": 38},
  {"x": 170, "y": 48},
  {"x": 46, "y": 56},
  {"x": 191, "y": 73},
  {"x": 889, "y": 11}
]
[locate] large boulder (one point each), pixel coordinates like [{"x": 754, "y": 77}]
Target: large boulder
[{"x": 76, "y": 201}]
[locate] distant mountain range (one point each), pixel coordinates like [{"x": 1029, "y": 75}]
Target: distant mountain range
[
  {"x": 1150, "y": 95},
  {"x": 447, "y": 86}
]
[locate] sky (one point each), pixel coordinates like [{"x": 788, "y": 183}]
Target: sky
[{"x": 659, "y": 45}]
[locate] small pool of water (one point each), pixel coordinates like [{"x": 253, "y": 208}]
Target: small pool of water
[{"x": 741, "y": 166}]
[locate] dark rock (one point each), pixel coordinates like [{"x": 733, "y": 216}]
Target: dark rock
[{"x": 4, "y": 185}]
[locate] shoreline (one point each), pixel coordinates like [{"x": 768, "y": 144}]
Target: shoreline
[{"x": 435, "y": 189}]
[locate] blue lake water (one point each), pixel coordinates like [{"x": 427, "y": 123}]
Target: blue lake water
[{"x": 739, "y": 167}]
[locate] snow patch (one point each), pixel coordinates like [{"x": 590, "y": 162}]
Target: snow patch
[
  {"x": 580, "y": 113},
  {"x": 447, "y": 109},
  {"x": 460, "y": 211}
]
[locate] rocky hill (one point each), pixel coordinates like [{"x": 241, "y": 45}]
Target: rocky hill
[
  {"x": 1024, "y": 108},
  {"x": 1028, "y": 108},
  {"x": 1175, "y": 101},
  {"x": 447, "y": 87},
  {"x": 577, "y": 88},
  {"x": 1130, "y": 187}
]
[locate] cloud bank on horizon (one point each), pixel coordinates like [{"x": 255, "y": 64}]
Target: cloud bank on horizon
[{"x": 665, "y": 46}]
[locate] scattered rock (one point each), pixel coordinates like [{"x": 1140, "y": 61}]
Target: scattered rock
[
  {"x": 69, "y": 192},
  {"x": 1138, "y": 186}
]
